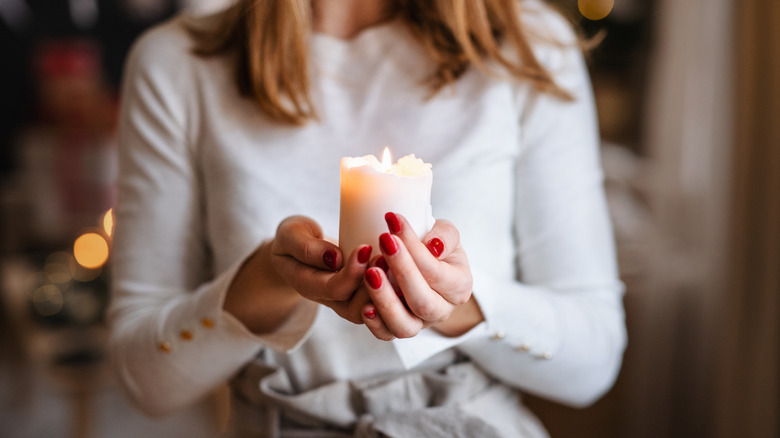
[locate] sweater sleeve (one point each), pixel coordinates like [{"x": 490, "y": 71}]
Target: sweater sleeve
[
  {"x": 171, "y": 342},
  {"x": 559, "y": 331}
]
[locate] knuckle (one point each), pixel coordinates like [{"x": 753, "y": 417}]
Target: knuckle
[
  {"x": 307, "y": 250},
  {"x": 288, "y": 225},
  {"x": 406, "y": 332},
  {"x": 350, "y": 316},
  {"x": 433, "y": 277},
  {"x": 382, "y": 336},
  {"x": 461, "y": 299},
  {"x": 337, "y": 293},
  {"x": 450, "y": 230},
  {"x": 459, "y": 291},
  {"x": 284, "y": 225},
  {"x": 455, "y": 234},
  {"x": 426, "y": 311}
]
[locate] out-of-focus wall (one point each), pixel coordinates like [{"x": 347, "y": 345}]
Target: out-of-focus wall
[
  {"x": 60, "y": 71},
  {"x": 704, "y": 342},
  {"x": 748, "y": 379}
]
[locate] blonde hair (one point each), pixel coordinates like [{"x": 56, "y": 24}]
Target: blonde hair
[{"x": 269, "y": 41}]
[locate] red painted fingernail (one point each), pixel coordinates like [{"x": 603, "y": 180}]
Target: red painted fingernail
[
  {"x": 373, "y": 278},
  {"x": 436, "y": 246},
  {"x": 329, "y": 258},
  {"x": 388, "y": 244},
  {"x": 364, "y": 254},
  {"x": 370, "y": 313},
  {"x": 393, "y": 224},
  {"x": 381, "y": 263}
]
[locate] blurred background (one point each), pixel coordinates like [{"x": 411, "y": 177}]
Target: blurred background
[{"x": 688, "y": 94}]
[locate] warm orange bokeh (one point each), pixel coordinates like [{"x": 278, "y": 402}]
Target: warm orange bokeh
[
  {"x": 91, "y": 250},
  {"x": 595, "y": 9}
]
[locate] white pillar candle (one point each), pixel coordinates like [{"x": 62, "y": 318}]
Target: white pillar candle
[{"x": 370, "y": 188}]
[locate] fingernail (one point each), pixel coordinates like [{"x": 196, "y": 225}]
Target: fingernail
[
  {"x": 373, "y": 278},
  {"x": 393, "y": 224},
  {"x": 381, "y": 263},
  {"x": 329, "y": 258},
  {"x": 364, "y": 254},
  {"x": 370, "y": 313},
  {"x": 436, "y": 246},
  {"x": 388, "y": 244}
]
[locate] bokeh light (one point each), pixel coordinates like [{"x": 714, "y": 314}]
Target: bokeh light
[
  {"x": 595, "y": 9},
  {"x": 48, "y": 300},
  {"x": 91, "y": 250},
  {"x": 57, "y": 267}
]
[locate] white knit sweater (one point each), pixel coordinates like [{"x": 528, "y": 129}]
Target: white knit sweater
[{"x": 205, "y": 178}]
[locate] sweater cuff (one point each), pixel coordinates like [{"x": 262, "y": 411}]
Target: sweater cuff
[
  {"x": 522, "y": 316},
  {"x": 416, "y": 350},
  {"x": 286, "y": 338}
]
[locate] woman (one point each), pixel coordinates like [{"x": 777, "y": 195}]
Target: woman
[{"x": 231, "y": 133}]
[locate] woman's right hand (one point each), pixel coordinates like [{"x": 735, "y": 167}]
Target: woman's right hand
[{"x": 297, "y": 263}]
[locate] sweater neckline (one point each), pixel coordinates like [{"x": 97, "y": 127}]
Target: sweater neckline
[{"x": 368, "y": 36}]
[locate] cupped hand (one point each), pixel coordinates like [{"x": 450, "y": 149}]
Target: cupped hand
[
  {"x": 426, "y": 283},
  {"x": 297, "y": 263},
  {"x": 317, "y": 270}
]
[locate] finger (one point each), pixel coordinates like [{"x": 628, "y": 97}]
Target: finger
[
  {"x": 344, "y": 283},
  {"x": 373, "y": 320},
  {"x": 423, "y": 301},
  {"x": 399, "y": 322},
  {"x": 301, "y": 238},
  {"x": 380, "y": 262},
  {"x": 444, "y": 238},
  {"x": 352, "y": 309},
  {"x": 321, "y": 285},
  {"x": 443, "y": 244},
  {"x": 307, "y": 280}
]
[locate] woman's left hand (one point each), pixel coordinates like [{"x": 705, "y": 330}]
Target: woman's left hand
[{"x": 428, "y": 283}]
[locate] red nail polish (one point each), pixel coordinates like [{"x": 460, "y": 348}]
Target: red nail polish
[
  {"x": 388, "y": 244},
  {"x": 370, "y": 313},
  {"x": 329, "y": 258},
  {"x": 436, "y": 246},
  {"x": 373, "y": 278},
  {"x": 381, "y": 263},
  {"x": 364, "y": 254},
  {"x": 393, "y": 224}
]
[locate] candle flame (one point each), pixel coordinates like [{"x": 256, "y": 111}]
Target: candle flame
[
  {"x": 387, "y": 161},
  {"x": 108, "y": 221}
]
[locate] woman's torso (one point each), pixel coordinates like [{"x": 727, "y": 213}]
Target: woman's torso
[{"x": 370, "y": 94}]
